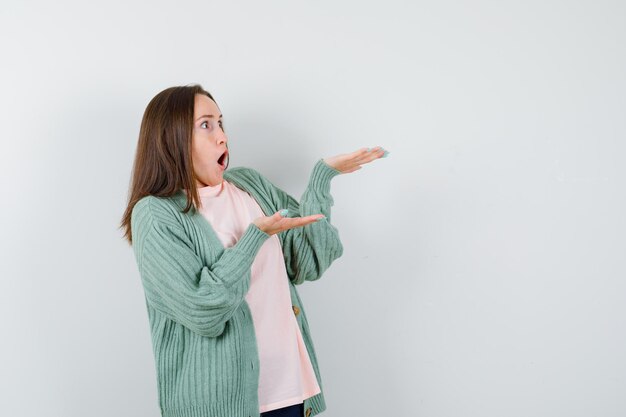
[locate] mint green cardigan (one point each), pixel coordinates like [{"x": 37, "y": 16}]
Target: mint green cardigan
[{"x": 202, "y": 331}]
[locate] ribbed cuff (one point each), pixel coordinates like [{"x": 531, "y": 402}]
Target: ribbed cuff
[
  {"x": 252, "y": 240},
  {"x": 321, "y": 175}
]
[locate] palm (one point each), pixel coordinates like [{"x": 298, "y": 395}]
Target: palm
[
  {"x": 350, "y": 162},
  {"x": 277, "y": 223}
]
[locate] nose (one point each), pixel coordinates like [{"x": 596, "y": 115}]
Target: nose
[{"x": 223, "y": 138}]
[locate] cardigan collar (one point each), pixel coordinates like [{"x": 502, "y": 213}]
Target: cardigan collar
[{"x": 242, "y": 182}]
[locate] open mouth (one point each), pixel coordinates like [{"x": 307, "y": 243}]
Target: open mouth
[{"x": 222, "y": 159}]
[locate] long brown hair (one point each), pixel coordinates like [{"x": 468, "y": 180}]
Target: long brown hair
[{"x": 163, "y": 163}]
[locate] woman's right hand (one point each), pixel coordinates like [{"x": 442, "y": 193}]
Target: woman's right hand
[{"x": 277, "y": 223}]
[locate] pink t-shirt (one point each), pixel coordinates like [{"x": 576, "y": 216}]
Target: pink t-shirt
[{"x": 286, "y": 375}]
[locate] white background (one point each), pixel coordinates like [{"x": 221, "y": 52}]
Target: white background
[{"x": 483, "y": 271}]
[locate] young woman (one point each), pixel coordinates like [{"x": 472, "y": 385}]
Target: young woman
[{"x": 220, "y": 253}]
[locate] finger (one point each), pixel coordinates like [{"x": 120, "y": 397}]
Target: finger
[
  {"x": 301, "y": 221},
  {"x": 311, "y": 217},
  {"x": 365, "y": 156},
  {"x": 375, "y": 153},
  {"x": 276, "y": 219},
  {"x": 359, "y": 152},
  {"x": 365, "y": 153},
  {"x": 307, "y": 219},
  {"x": 351, "y": 161},
  {"x": 278, "y": 215}
]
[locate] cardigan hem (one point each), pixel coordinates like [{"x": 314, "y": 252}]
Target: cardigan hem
[{"x": 217, "y": 409}]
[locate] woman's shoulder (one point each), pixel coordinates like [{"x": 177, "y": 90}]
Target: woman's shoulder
[
  {"x": 153, "y": 209},
  {"x": 153, "y": 203}
]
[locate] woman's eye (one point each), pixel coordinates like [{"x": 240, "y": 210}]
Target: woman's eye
[{"x": 205, "y": 124}]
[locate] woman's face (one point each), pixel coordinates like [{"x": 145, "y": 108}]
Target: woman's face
[{"x": 208, "y": 142}]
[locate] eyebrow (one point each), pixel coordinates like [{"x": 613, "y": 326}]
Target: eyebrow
[{"x": 207, "y": 115}]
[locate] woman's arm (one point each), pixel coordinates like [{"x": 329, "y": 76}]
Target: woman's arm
[
  {"x": 177, "y": 282},
  {"x": 311, "y": 249}
]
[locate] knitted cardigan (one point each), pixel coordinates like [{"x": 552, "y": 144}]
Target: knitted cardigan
[{"x": 203, "y": 336}]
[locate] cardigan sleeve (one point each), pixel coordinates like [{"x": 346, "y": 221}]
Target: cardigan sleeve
[
  {"x": 176, "y": 281},
  {"x": 309, "y": 250}
]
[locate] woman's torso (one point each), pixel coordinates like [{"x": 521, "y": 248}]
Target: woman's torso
[{"x": 286, "y": 375}]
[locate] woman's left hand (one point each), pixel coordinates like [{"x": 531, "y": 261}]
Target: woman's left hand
[{"x": 350, "y": 162}]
